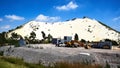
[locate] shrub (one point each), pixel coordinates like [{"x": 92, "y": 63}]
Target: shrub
[
  {"x": 1, "y": 53},
  {"x": 13, "y": 42},
  {"x": 19, "y": 27},
  {"x": 15, "y": 36},
  {"x": 3, "y": 38},
  {"x": 82, "y": 40},
  {"x": 107, "y": 65},
  {"x": 113, "y": 41},
  {"x": 32, "y": 35},
  {"x": 49, "y": 38},
  {"x": 118, "y": 66},
  {"x": 74, "y": 65},
  {"x": 13, "y": 60},
  {"x": 10, "y": 62}
]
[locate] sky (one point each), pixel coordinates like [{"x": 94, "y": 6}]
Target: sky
[{"x": 14, "y": 13}]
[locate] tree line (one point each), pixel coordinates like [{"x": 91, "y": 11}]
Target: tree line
[{"x": 13, "y": 40}]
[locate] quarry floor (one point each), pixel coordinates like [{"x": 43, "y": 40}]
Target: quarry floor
[{"x": 49, "y": 53}]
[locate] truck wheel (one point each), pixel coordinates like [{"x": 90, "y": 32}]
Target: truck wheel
[
  {"x": 57, "y": 45},
  {"x": 106, "y": 47}
]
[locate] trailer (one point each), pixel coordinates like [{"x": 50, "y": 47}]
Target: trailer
[
  {"x": 103, "y": 45},
  {"x": 61, "y": 42},
  {"x": 67, "y": 42},
  {"x": 57, "y": 41}
]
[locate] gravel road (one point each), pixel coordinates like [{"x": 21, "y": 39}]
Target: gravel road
[{"x": 48, "y": 54}]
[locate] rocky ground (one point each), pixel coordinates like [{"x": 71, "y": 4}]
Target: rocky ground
[{"x": 48, "y": 54}]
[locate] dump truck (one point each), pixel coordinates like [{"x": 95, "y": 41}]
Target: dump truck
[{"x": 103, "y": 45}]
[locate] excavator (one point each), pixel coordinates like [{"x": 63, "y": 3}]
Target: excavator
[
  {"x": 67, "y": 42},
  {"x": 74, "y": 43}
]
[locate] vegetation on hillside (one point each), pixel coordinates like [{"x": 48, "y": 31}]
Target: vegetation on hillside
[
  {"x": 43, "y": 35},
  {"x": 32, "y": 36},
  {"x": 2, "y": 38},
  {"x": 14, "y": 39},
  {"x": 113, "y": 42},
  {"x": 8, "y": 41},
  {"x": 18, "y": 27},
  {"x": 108, "y": 27},
  {"x": 76, "y": 37},
  {"x": 49, "y": 38}
]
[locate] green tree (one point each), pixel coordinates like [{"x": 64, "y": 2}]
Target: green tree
[
  {"x": 43, "y": 35},
  {"x": 113, "y": 42},
  {"x": 108, "y": 40},
  {"x": 15, "y": 36},
  {"x": 27, "y": 39},
  {"x": 82, "y": 40},
  {"x": 2, "y": 38},
  {"x": 76, "y": 37},
  {"x": 32, "y": 36},
  {"x": 49, "y": 38}
]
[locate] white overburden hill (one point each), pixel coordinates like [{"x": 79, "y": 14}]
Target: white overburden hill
[{"x": 86, "y": 28}]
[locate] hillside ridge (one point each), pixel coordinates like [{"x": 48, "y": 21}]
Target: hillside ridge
[{"x": 88, "y": 29}]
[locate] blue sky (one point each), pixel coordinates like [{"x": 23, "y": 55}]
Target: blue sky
[{"x": 17, "y": 12}]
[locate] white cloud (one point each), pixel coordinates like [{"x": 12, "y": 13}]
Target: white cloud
[
  {"x": 1, "y": 19},
  {"x": 14, "y": 17},
  {"x": 5, "y": 27},
  {"x": 116, "y": 19},
  {"x": 43, "y": 18},
  {"x": 69, "y": 6}
]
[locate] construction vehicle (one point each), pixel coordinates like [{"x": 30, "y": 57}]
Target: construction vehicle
[
  {"x": 61, "y": 42},
  {"x": 67, "y": 42},
  {"x": 102, "y": 44},
  {"x": 74, "y": 43}
]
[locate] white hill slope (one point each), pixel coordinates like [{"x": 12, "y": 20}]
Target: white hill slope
[{"x": 86, "y": 28}]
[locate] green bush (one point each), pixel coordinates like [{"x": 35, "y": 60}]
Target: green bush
[
  {"x": 113, "y": 42},
  {"x": 107, "y": 65},
  {"x": 12, "y": 60},
  {"x": 82, "y": 40},
  {"x": 118, "y": 66},
  {"x": 17, "y": 63},
  {"x": 13, "y": 42},
  {"x": 5, "y": 64},
  {"x": 1, "y": 53}
]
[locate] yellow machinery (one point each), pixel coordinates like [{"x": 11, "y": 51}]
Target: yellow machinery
[{"x": 74, "y": 43}]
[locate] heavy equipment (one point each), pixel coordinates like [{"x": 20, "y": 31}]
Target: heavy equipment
[
  {"x": 67, "y": 42},
  {"x": 102, "y": 44},
  {"x": 74, "y": 43}
]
